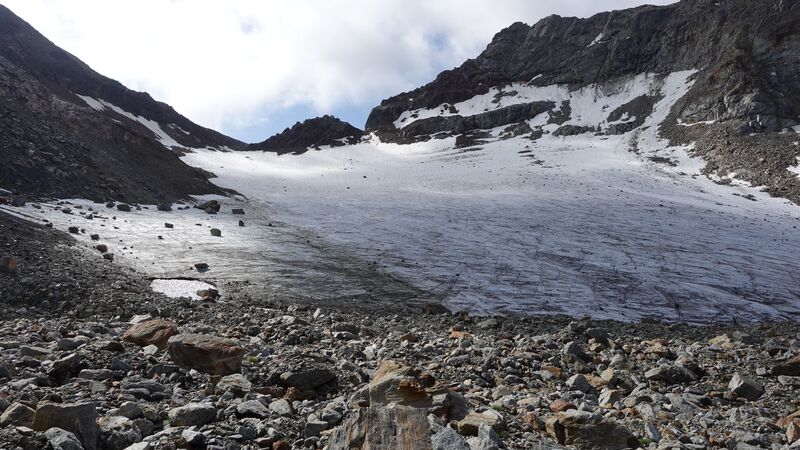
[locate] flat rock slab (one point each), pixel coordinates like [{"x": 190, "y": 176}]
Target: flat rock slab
[{"x": 209, "y": 354}]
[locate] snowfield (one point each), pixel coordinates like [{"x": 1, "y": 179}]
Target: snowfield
[{"x": 587, "y": 225}]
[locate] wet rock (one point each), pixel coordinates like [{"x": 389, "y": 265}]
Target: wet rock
[
  {"x": 8, "y": 264},
  {"x": 587, "y": 431},
  {"x": 210, "y": 354},
  {"x": 151, "y": 332},
  {"x": 210, "y": 207},
  {"x": 746, "y": 387},
  {"x": 77, "y": 418},
  {"x": 17, "y": 415},
  {"x": 193, "y": 414}
]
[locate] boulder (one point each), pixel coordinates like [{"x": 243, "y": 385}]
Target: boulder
[
  {"x": 383, "y": 427},
  {"x": 151, "y": 332},
  {"x": 236, "y": 384},
  {"x": 77, "y": 418},
  {"x": 62, "y": 439},
  {"x": 789, "y": 368},
  {"x": 216, "y": 232},
  {"x": 238, "y": 211},
  {"x": 447, "y": 439},
  {"x": 309, "y": 379},
  {"x": 193, "y": 414},
  {"x": 164, "y": 207},
  {"x": 17, "y": 415},
  {"x": 253, "y": 408},
  {"x": 745, "y": 387},
  {"x": 395, "y": 382},
  {"x": 210, "y": 207},
  {"x": 123, "y": 207},
  {"x": 586, "y": 431},
  {"x": 210, "y": 354},
  {"x": 469, "y": 426}
]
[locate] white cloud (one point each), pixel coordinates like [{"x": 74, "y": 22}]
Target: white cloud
[{"x": 231, "y": 64}]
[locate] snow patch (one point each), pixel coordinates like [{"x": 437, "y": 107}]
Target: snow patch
[
  {"x": 596, "y": 40},
  {"x": 179, "y": 288},
  {"x": 165, "y": 139}
]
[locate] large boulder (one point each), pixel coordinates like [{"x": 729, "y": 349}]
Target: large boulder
[
  {"x": 383, "y": 427},
  {"x": 790, "y": 367},
  {"x": 205, "y": 353},
  {"x": 746, "y": 387},
  {"x": 308, "y": 379},
  {"x": 62, "y": 439},
  {"x": 151, "y": 332},
  {"x": 77, "y": 418},
  {"x": 587, "y": 431},
  {"x": 395, "y": 382}
]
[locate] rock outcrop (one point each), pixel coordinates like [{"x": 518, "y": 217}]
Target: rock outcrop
[{"x": 311, "y": 133}]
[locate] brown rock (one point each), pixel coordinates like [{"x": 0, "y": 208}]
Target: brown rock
[
  {"x": 790, "y": 367},
  {"x": 151, "y": 332},
  {"x": 793, "y": 432},
  {"x": 469, "y": 426},
  {"x": 395, "y": 382},
  {"x": 561, "y": 405},
  {"x": 210, "y": 354}
]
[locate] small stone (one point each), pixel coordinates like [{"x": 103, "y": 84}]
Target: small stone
[
  {"x": 237, "y": 384},
  {"x": 238, "y": 211},
  {"x": 561, "y": 405},
  {"x": 168, "y": 225},
  {"x": 241, "y": 223},
  {"x": 102, "y": 248},
  {"x": 307, "y": 380},
  {"x": 469, "y": 425},
  {"x": 579, "y": 383},
  {"x": 95, "y": 237},
  {"x": 123, "y": 207},
  {"x": 74, "y": 230},
  {"x": 108, "y": 256},
  {"x": 164, "y": 207},
  {"x": 314, "y": 428},
  {"x": 216, "y": 232}
]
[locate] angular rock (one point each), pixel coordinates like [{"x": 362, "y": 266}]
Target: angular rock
[
  {"x": 470, "y": 425},
  {"x": 383, "y": 427},
  {"x": 789, "y": 368},
  {"x": 308, "y": 380},
  {"x": 587, "y": 431},
  {"x": 77, "y": 418},
  {"x": 62, "y": 439},
  {"x": 216, "y": 232},
  {"x": 164, "y": 207},
  {"x": 746, "y": 387},
  {"x": 447, "y": 439},
  {"x": 395, "y": 382},
  {"x": 193, "y": 414},
  {"x": 252, "y": 408},
  {"x": 17, "y": 415},
  {"x": 237, "y": 384},
  {"x": 151, "y": 332},
  {"x": 210, "y": 354}
]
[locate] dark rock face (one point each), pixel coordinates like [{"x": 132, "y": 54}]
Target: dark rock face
[
  {"x": 747, "y": 52},
  {"x": 53, "y": 143},
  {"x": 316, "y": 132}
]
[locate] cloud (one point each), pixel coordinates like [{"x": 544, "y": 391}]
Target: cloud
[{"x": 239, "y": 64}]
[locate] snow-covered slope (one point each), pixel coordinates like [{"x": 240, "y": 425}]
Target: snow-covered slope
[{"x": 585, "y": 224}]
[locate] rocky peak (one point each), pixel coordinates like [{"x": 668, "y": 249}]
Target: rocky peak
[{"x": 316, "y": 132}]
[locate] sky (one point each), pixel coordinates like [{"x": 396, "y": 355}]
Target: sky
[{"x": 250, "y": 68}]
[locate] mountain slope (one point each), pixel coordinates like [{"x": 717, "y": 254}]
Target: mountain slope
[
  {"x": 316, "y": 132},
  {"x": 744, "y": 53},
  {"x": 68, "y": 131}
]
